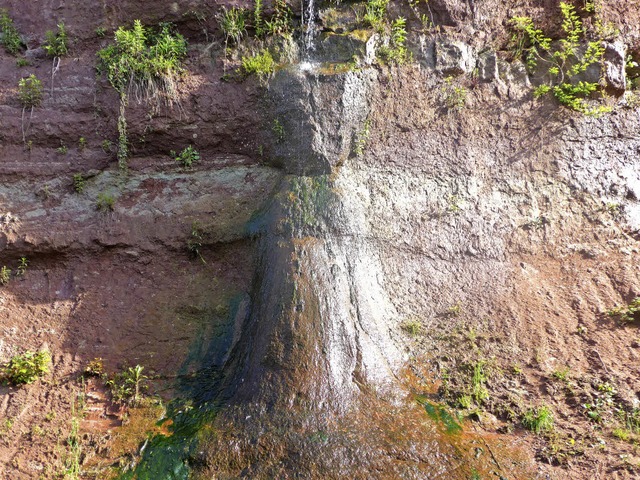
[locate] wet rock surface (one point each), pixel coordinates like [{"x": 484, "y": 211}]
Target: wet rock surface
[{"x": 345, "y": 249}]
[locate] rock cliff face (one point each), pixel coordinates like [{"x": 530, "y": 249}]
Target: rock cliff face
[{"x": 359, "y": 245}]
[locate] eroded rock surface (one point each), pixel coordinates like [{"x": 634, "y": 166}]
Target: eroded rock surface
[{"x": 352, "y": 239}]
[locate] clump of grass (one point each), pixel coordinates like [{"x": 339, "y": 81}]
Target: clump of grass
[
  {"x": 375, "y": 12},
  {"x": 261, "y": 64},
  {"x": 538, "y": 420},
  {"x": 233, "y": 24},
  {"x": 621, "y": 434},
  {"x": 454, "y": 310},
  {"x": 62, "y": 149},
  {"x": 412, "y": 327},
  {"x": 362, "y": 137},
  {"x": 280, "y": 23},
  {"x": 10, "y": 38},
  {"x": 105, "y": 202},
  {"x": 26, "y": 368},
  {"x": 144, "y": 60}
]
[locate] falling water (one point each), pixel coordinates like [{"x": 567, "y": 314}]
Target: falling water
[{"x": 310, "y": 28}]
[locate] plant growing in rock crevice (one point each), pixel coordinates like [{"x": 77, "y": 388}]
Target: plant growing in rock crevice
[
  {"x": 627, "y": 313},
  {"x": 10, "y": 37},
  {"x": 563, "y": 60},
  {"x": 233, "y": 24},
  {"x": 187, "y": 157},
  {"x": 396, "y": 51},
  {"x": 538, "y": 420},
  {"x": 56, "y": 46},
  {"x": 143, "y": 63},
  {"x": 30, "y": 95},
  {"x": 5, "y": 275},
  {"x": 261, "y": 64}
]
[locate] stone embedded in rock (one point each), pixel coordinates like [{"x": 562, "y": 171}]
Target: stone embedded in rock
[
  {"x": 614, "y": 66},
  {"x": 488, "y": 66},
  {"x": 454, "y": 57}
]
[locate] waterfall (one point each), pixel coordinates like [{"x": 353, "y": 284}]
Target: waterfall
[{"x": 310, "y": 29}]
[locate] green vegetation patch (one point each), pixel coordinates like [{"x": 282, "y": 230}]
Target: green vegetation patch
[
  {"x": 149, "y": 60},
  {"x": 26, "y": 368},
  {"x": 563, "y": 60},
  {"x": 9, "y": 35}
]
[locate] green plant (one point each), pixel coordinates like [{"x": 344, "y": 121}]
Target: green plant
[
  {"x": 261, "y": 64},
  {"x": 258, "y": 22},
  {"x": 412, "y": 327},
  {"x": 453, "y": 96},
  {"x": 23, "y": 263},
  {"x": 100, "y": 32},
  {"x": 56, "y": 43},
  {"x": 454, "y": 310},
  {"x": 621, "y": 434},
  {"x": 362, "y": 138},
  {"x": 186, "y": 157},
  {"x": 145, "y": 62},
  {"x": 479, "y": 391},
  {"x": 627, "y": 313},
  {"x": 30, "y": 91},
  {"x": 5, "y": 275},
  {"x": 106, "y": 146},
  {"x": 82, "y": 143},
  {"x": 562, "y": 374},
  {"x": 22, "y": 62},
  {"x": 194, "y": 244},
  {"x": 278, "y": 130},
  {"x": 233, "y": 24},
  {"x": 95, "y": 368},
  {"x": 25, "y": 368},
  {"x": 280, "y": 22},
  {"x": 630, "y": 419},
  {"x": 375, "y": 12},
  {"x": 79, "y": 182},
  {"x": 397, "y": 50},
  {"x": 10, "y": 38},
  {"x": 62, "y": 149},
  {"x": 465, "y": 401},
  {"x": 563, "y": 63},
  {"x": 105, "y": 202},
  {"x": 30, "y": 95},
  {"x": 127, "y": 386},
  {"x": 538, "y": 420}
]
